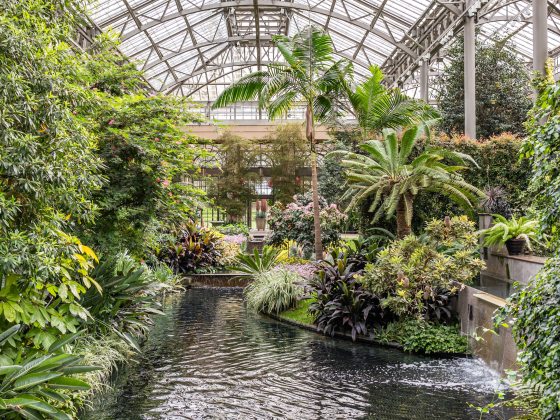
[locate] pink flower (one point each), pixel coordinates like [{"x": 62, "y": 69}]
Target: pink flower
[
  {"x": 111, "y": 122},
  {"x": 156, "y": 139},
  {"x": 165, "y": 183}
]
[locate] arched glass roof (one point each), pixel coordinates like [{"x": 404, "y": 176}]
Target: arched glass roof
[{"x": 197, "y": 47}]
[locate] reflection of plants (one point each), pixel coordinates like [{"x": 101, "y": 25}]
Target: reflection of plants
[
  {"x": 274, "y": 291},
  {"x": 259, "y": 263}
]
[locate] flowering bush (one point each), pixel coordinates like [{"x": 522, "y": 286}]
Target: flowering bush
[
  {"x": 305, "y": 270},
  {"x": 417, "y": 276},
  {"x": 295, "y": 222}
]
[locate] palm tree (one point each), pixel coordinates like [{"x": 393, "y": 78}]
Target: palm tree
[
  {"x": 388, "y": 174},
  {"x": 376, "y": 107},
  {"x": 309, "y": 76}
]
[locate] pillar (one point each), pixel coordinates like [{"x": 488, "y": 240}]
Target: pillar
[
  {"x": 424, "y": 80},
  {"x": 470, "y": 79},
  {"x": 540, "y": 34}
]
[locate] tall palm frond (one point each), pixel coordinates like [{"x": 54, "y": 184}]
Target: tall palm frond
[{"x": 377, "y": 108}]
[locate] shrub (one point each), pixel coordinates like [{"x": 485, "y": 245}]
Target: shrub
[
  {"x": 295, "y": 222},
  {"x": 146, "y": 155},
  {"x": 342, "y": 303},
  {"x": 274, "y": 291},
  {"x": 499, "y": 166},
  {"x": 129, "y": 298},
  {"x": 233, "y": 229},
  {"x": 196, "y": 251},
  {"x": 424, "y": 337},
  {"x": 416, "y": 275},
  {"x": 229, "y": 248}
]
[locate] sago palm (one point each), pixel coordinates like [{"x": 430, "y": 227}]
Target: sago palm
[
  {"x": 388, "y": 174},
  {"x": 376, "y": 107},
  {"x": 310, "y": 76}
]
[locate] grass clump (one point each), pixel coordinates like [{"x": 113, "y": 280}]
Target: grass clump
[
  {"x": 274, "y": 291},
  {"x": 300, "y": 313}
]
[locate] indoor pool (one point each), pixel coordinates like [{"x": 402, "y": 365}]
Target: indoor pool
[{"x": 211, "y": 358}]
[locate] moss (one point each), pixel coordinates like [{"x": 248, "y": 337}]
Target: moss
[{"x": 300, "y": 313}]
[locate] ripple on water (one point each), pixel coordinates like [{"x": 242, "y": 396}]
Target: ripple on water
[{"x": 210, "y": 358}]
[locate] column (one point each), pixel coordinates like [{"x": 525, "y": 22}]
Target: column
[
  {"x": 540, "y": 34},
  {"x": 470, "y": 80},
  {"x": 424, "y": 80}
]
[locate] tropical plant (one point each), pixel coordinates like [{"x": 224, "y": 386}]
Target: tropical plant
[
  {"x": 389, "y": 174},
  {"x": 417, "y": 276},
  {"x": 504, "y": 230},
  {"x": 295, "y": 222},
  {"x": 377, "y": 108},
  {"x": 146, "y": 157},
  {"x": 342, "y": 303},
  {"x": 195, "y": 251},
  {"x": 232, "y": 189},
  {"x": 274, "y": 291},
  {"x": 129, "y": 298},
  {"x": 31, "y": 387},
  {"x": 256, "y": 263},
  {"x": 309, "y": 75},
  {"x": 48, "y": 171},
  {"x": 495, "y": 201}
]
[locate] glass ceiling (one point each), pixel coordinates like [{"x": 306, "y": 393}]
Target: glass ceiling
[{"x": 197, "y": 47}]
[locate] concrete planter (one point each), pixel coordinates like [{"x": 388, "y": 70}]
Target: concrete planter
[{"x": 261, "y": 223}]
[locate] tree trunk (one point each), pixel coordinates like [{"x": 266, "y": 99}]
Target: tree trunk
[
  {"x": 310, "y": 134},
  {"x": 403, "y": 227}
]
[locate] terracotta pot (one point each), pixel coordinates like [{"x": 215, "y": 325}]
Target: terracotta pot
[
  {"x": 261, "y": 223},
  {"x": 515, "y": 246}
]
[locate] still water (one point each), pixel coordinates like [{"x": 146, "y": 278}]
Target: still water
[{"x": 211, "y": 358}]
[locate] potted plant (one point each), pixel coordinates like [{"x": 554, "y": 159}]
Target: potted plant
[
  {"x": 261, "y": 214},
  {"x": 514, "y": 233}
]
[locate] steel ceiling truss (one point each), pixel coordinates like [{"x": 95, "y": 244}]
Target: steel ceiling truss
[{"x": 197, "y": 47}]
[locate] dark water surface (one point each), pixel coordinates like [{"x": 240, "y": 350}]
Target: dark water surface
[{"x": 210, "y": 358}]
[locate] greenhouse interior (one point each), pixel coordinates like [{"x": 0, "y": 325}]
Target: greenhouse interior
[{"x": 280, "y": 209}]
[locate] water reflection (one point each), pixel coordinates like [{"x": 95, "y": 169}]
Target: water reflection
[{"x": 209, "y": 358}]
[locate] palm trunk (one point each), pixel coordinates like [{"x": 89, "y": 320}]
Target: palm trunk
[
  {"x": 403, "y": 226},
  {"x": 310, "y": 134}
]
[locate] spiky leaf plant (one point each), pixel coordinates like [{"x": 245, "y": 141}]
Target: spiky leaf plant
[
  {"x": 388, "y": 173},
  {"x": 505, "y": 229},
  {"x": 256, "y": 263}
]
